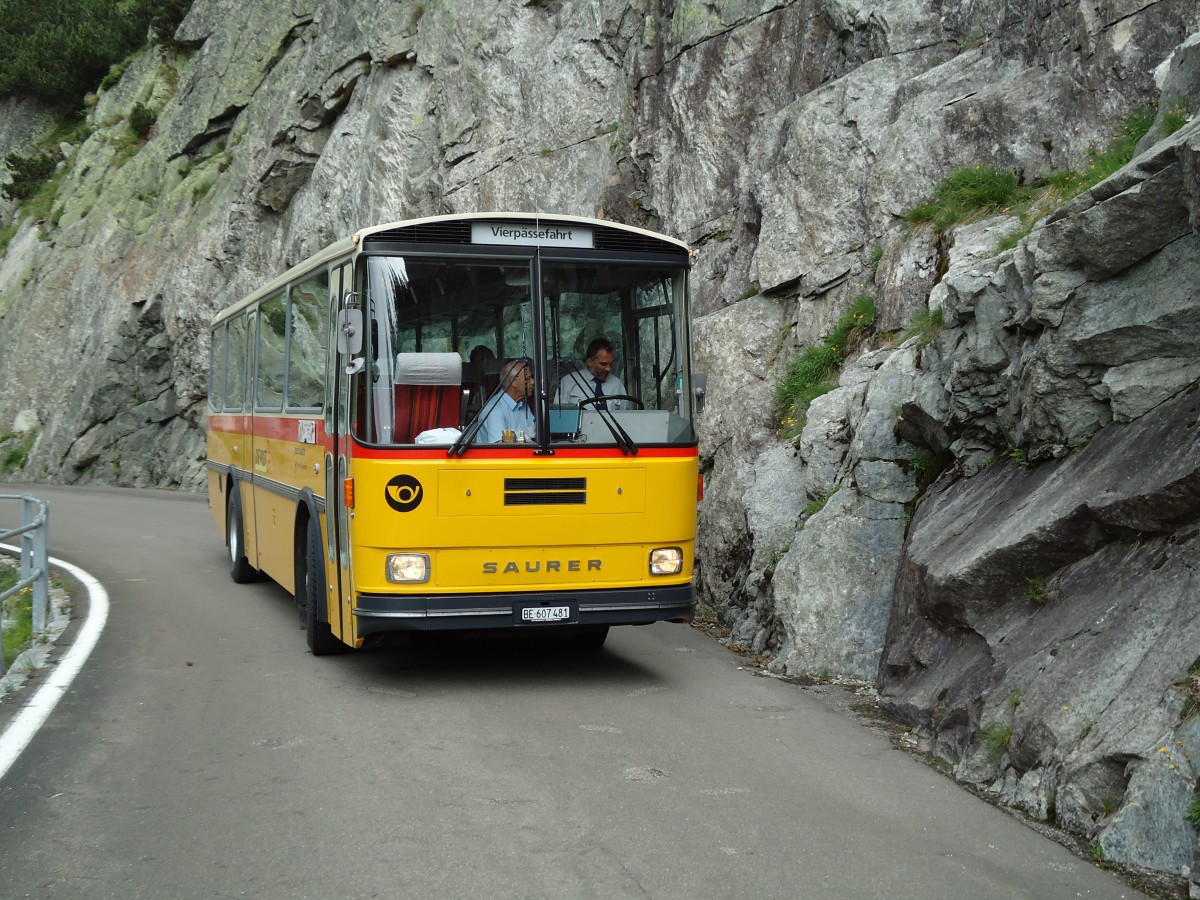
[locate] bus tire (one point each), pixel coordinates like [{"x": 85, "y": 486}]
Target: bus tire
[
  {"x": 591, "y": 640},
  {"x": 320, "y": 636},
  {"x": 239, "y": 567}
]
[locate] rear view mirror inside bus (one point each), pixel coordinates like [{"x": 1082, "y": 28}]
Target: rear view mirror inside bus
[{"x": 349, "y": 331}]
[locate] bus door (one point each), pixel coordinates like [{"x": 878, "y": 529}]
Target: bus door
[
  {"x": 267, "y": 388},
  {"x": 238, "y": 398},
  {"x": 257, "y": 451},
  {"x": 346, "y": 353}
]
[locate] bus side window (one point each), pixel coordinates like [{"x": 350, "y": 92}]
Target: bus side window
[
  {"x": 272, "y": 331},
  {"x": 235, "y": 365},
  {"x": 306, "y": 343},
  {"x": 216, "y": 367}
]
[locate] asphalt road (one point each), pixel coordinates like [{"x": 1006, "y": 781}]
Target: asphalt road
[{"x": 203, "y": 752}]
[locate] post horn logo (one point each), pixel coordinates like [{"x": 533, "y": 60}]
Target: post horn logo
[{"x": 403, "y": 493}]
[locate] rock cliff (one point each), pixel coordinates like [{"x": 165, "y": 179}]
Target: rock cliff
[{"x": 994, "y": 523}]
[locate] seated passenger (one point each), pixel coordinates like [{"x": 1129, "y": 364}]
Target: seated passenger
[
  {"x": 480, "y": 377},
  {"x": 599, "y": 380},
  {"x": 509, "y": 409}
]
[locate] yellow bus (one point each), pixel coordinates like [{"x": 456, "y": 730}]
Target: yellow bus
[{"x": 467, "y": 422}]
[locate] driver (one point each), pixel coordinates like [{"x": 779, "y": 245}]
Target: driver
[{"x": 597, "y": 381}]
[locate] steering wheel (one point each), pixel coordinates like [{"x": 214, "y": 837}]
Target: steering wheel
[{"x": 586, "y": 401}]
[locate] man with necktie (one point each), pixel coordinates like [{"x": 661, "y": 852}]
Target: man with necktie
[{"x": 598, "y": 382}]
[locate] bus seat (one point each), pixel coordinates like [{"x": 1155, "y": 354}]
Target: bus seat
[
  {"x": 479, "y": 383},
  {"x": 428, "y": 396}
]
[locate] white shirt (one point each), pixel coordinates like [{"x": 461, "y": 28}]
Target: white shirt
[{"x": 581, "y": 385}]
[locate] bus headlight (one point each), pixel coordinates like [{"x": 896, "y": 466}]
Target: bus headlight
[
  {"x": 408, "y": 568},
  {"x": 666, "y": 561}
]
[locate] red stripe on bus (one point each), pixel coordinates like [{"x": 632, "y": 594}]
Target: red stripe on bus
[
  {"x": 228, "y": 423},
  {"x": 277, "y": 428},
  {"x": 492, "y": 452}
]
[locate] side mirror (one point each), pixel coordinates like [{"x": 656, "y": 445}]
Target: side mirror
[
  {"x": 700, "y": 389},
  {"x": 349, "y": 331}
]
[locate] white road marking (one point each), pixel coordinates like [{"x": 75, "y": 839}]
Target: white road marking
[{"x": 24, "y": 726}]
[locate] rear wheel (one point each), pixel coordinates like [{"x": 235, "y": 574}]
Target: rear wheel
[
  {"x": 320, "y": 636},
  {"x": 239, "y": 567}
]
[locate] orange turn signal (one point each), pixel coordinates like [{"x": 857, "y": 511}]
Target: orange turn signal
[{"x": 348, "y": 493}]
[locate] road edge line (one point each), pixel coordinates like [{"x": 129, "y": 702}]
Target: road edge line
[{"x": 33, "y": 715}]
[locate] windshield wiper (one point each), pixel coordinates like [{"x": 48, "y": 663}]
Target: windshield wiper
[
  {"x": 459, "y": 447},
  {"x": 620, "y": 435}
]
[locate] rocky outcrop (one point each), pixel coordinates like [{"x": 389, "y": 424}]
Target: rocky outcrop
[
  {"x": 786, "y": 142},
  {"x": 1047, "y": 614},
  {"x": 1044, "y": 627}
]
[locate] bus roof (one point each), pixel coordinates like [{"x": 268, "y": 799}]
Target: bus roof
[{"x": 346, "y": 246}]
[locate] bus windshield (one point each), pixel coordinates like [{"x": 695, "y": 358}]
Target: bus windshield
[{"x": 566, "y": 350}]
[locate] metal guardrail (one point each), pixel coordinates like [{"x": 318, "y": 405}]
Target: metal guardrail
[{"x": 33, "y": 569}]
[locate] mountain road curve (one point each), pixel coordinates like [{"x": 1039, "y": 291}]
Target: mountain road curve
[{"x": 203, "y": 752}]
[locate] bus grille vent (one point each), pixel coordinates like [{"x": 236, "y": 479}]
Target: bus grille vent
[
  {"x": 545, "y": 491},
  {"x": 426, "y": 233},
  {"x": 632, "y": 241}
]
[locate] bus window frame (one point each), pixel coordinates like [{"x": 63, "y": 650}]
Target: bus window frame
[
  {"x": 242, "y": 322},
  {"x": 260, "y": 316},
  {"x": 216, "y": 374},
  {"x": 288, "y": 406},
  {"x": 534, "y": 256}
]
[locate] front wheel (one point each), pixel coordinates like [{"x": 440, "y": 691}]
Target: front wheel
[
  {"x": 240, "y": 569},
  {"x": 320, "y": 636},
  {"x": 590, "y": 640}
]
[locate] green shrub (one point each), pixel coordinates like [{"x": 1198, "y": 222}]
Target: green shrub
[
  {"x": 817, "y": 504},
  {"x": 1103, "y": 163},
  {"x": 1039, "y": 591},
  {"x": 1010, "y": 240},
  {"x": 165, "y": 17},
  {"x": 926, "y": 324},
  {"x": 969, "y": 192},
  {"x": 973, "y": 192},
  {"x": 200, "y": 191},
  {"x": 981, "y": 187},
  {"x": 7, "y": 233},
  {"x": 876, "y": 258},
  {"x": 16, "y": 449},
  {"x": 115, "y": 71},
  {"x": 18, "y": 612},
  {"x": 60, "y": 50},
  {"x": 1175, "y": 117},
  {"x": 141, "y": 120},
  {"x": 852, "y": 325},
  {"x": 28, "y": 174},
  {"x": 1190, "y": 683},
  {"x": 811, "y": 373},
  {"x": 921, "y": 213},
  {"x": 1193, "y": 813},
  {"x": 996, "y": 738}
]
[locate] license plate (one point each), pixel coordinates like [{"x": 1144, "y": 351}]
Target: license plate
[{"x": 545, "y": 613}]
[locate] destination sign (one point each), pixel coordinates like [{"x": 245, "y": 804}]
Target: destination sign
[{"x": 526, "y": 234}]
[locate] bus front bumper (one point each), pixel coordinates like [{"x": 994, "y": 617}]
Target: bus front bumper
[{"x": 526, "y": 611}]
